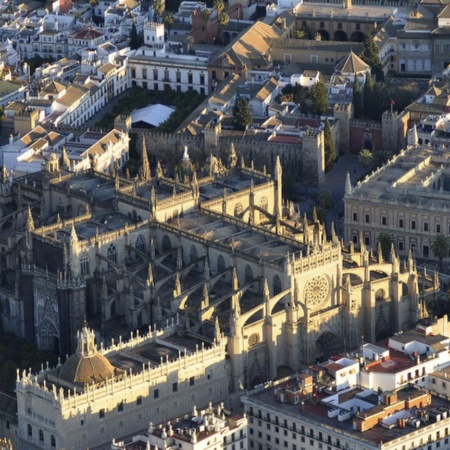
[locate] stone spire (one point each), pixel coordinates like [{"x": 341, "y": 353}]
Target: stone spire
[
  {"x": 266, "y": 292},
  {"x": 158, "y": 312},
  {"x": 144, "y": 166},
  {"x": 132, "y": 301},
  {"x": 65, "y": 161},
  {"x": 206, "y": 271},
  {"x": 5, "y": 175},
  {"x": 30, "y": 221},
  {"x": 415, "y": 136},
  {"x": 205, "y": 301},
  {"x": 86, "y": 342},
  {"x": 159, "y": 170},
  {"x": 150, "y": 278},
  {"x": 177, "y": 290},
  {"x": 235, "y": 280},
  {"x": 379, "y": 253},
  {"x": 152, "y": 249},
  {"x": 278, "y": 169},
  {"x": 217, "y": 332},
  {"x": 73, "y": 236},
  {"x": 179, "y": 259},
  {"x": 348, "y": 184}
]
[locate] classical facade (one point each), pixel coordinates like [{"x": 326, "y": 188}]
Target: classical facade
[{"x": 406, "y": 198}]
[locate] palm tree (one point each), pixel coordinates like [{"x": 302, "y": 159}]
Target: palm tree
[
  {"x": 440, "y": 246},
  {"x": 159, "y": 7},
  {"x": 169, "y": 20},
  {"x": 385, "y": 242}
]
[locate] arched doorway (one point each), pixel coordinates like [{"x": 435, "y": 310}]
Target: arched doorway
[
  {"x": 324, "y": 35},
  {"x": 358, "y": 36},
  {"x": 340, "y": 36},
  {"x": 328, "y": 344}
]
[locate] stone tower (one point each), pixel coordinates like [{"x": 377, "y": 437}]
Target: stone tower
[
  {"x": 343, "y": 114},
  {"x": 314, "y": 155}
]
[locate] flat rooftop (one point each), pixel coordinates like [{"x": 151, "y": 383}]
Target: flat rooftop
[{"x": 316, "y": 412}]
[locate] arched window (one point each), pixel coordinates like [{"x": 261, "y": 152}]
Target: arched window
[
  {"x": 30, "y": 430},
  {"x": 276, "y": 285},
  {"x": 248, "y": 274},
  {"x": 140, "y": 244},
  {"x": 112, "y": 253},
  {"x": 166, "y": 244},
  {"x": 220, "y": 264},
  {"x": 84, "y": 265},
  {"x": 41, "y": 435},
  {"x": 238, "y": 210},
  {"x": 53, "y": 440},
  {"x": 193, "y": 254}
]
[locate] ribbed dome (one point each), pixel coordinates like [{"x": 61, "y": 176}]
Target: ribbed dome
[
  {"x": 86, "y": 369},
  {"x": 86, "y": 365}
]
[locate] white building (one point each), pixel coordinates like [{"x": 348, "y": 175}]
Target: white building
[
  {"x": 156, "y": 70},
  {"x": 200, "y": 430}
]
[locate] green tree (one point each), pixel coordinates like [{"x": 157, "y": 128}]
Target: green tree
[
  {"x": 223, "y": 19},
  {"x": 168, "y": 21},
  {"x": 369, "y": 98},
  {"x": 385, "y": 241},
  {"x": 325, "y": 199},
  {"x": 218, "y": 6},
  {"x": 365, "y": 157},
  {"x": 371, "y": 56},
  {"x": 319, "y": 98},
  {"x": 330, "y": 147},
  {"x": 301, "y": 34},
  {"x": 380, "y": 158},
  {"x": 159, "y": 7},
  {"x": 134, "y": 38},
  {"x": 242, "y": 114},
  {"x": 357, "y": 100},
  {"x": 440, "y": 246}
]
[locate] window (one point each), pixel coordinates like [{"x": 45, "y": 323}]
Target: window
[
  {"x": 425, "y": 226},
  {"x": 248, "y": 274},
  {"x": 140, "y": 244},
  {"x": 401, "y": 246},
  {"x": 277, "y": 288},
  {"x": 156, "y": 394},
  {"x": 220, "y": 264},
  {"x": 120, "y": 406},
  {"x": 192, "y": 381},
  {"x": 41, "y": 435},
  {"x": 144, "y": 73},
  {"x": 139, "y": 400},
  {"x": 53, "y": 441},
  {"x": 101, "y": 413},
  {"x": 400, "y": 223},
  {"x": 367, "y": 218},
  {"x": 155, "y": 74},
  {"x": 112, "y": 253},
  {"x": 190, "y": 78},
  {"x": 425, "y": 250},
  {"x": 84, "y": 265},
  {"x": 202, "y": 79},
  {"x": 238, "y": 209},
  {"x": 175, "y": 387},
  {"x": 413, "y": 224},
  {"x": 383, "y": 220},
  {"x": 178, "y": 76},
  {"x": 355, "y": 217},
  {"x": 438, "y": 228}
]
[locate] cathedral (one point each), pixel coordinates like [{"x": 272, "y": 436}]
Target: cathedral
[{"x": 221, "y": 284}]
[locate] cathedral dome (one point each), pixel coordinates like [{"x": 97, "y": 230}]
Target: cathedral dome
[{"x": 86, "y": 365}]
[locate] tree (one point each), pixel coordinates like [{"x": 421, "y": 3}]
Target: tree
[
  {"x": 242, "y": 114},
  {"x": 159, "y": 7},
  {"x": 301, "y": 34},
  {"x": 365, "y": 158},
  {"x": 330, "y": 147},
  {"x": 380, "y": 158},
  {"x": 168, "y": 21},
  {"x": 371, "y": 56},
  {"x": 440, "y": 246},
  {"x": 222, "y": 19},
  {"x": 385, "y": 241},
  {"x": 357, "y": 100},
  {"x": 218, "y": 6},
  {"x": 319, "y": 98},
  {"x": 369, "y": 98},
  {"x": 325, "y": 199},
  {"x": 134, "y": 38}
]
